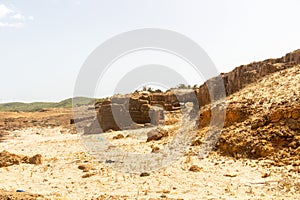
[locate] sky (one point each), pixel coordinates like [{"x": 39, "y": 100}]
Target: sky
[{"x": 44, "y": 43}]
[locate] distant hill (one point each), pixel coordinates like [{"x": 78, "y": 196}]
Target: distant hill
[{"x": 37, "y": 106}]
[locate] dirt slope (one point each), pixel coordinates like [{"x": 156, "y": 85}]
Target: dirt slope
[{"x": 263, "y": 119}]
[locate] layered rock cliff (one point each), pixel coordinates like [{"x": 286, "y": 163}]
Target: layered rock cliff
[{"x": 262, "y": 119}]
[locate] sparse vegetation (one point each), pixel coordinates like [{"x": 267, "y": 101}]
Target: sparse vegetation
[
  {"x": 38, "y": 106},
  {"x": 148, "y": 89}
]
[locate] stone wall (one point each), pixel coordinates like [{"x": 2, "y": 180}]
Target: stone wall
[{"x": 128, "y": 111}]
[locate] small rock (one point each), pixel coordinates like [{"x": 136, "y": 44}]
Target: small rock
[
  {"x": 155, "y": 150},
  {"x": 265, "y": 175},
  {"x": 195, "y": 168},
  {"x": 197, "y": 142},
  {"x": 230, "y": 175},
  {"x": 89, "y": 175},
  {"x": 166, "y": 191},
  {"x": 119, "y": 136},
  {"x": 36, "y": 160},
  {"x": 85, "y": 168},
  {"x": 156, "y": 134},
  {"x": 144, "y": 174}
]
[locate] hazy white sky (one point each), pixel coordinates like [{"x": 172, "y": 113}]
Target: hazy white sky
[{"x": 43, "y": 43}]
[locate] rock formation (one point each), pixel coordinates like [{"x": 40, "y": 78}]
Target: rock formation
[
  {"x": 9, "y": 159},
  {"x": 262, "y": 120},
  {"x": 127, "y": 111},
  {"x": 133, "y": 110},
  {"x": 244, "y": 75}
]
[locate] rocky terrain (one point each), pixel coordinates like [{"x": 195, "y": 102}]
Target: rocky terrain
[
  {"x": 263, "y": 119},
  {"x": 256, "y": 156},
  {"x": 50, "y": 117}
]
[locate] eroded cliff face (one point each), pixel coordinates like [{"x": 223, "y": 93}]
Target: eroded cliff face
[
  {"x": 244, "y": 75},
  {"x": 262, "y": 120}
]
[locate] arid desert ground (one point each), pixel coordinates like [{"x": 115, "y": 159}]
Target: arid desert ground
[{"x": 256, "y": 157}]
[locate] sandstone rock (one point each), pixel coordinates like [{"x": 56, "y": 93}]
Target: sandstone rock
[
  {"x": 120, "y": 99},
  {"x": 292, "y": 57},
  {"x": 197, "y": 142},
  {"x": 258, "y": 122},
  {"x": 230, "y": 175},
  {"x": 156, "y": 134},
  {"x": 8, "y": 195},
  {"x": 9, "y": 159},
  {"x": 234, "y": 114},
  {"x": 293, "y": 124},
  {"x": 144, "y": 174},
  {"x": 84, "y": 167},
  {"x": 123, "y": 111},
  {"x": 119, "y": 136},
  {"x": 242, "y": 76},
  {"x": 158, "y": 97},
  {"x": 87, "y": 175},
  {"x": 276, "y": 116},
  {"x": 37, "y": 159},
  {"x": 195, "y": 168},
  {"x": 270, "y": 128},
  {"x": 145, "y": 107},
  {"x": 155, "y": 150},
  {"x": 296, "y": 113}
]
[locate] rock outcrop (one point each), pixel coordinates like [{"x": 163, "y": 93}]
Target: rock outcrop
[
  {"x": 133, "y": 110},
  {"x": 127, "y": 111},
  {"x": 262, "y": 120},
  {"x": 9, "y": 159},
  {"x": 244, "y": 75}
]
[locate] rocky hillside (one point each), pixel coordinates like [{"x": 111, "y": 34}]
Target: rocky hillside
[
  {"x": 263, "y": 118},
  {"x": 242, "y": 76}
]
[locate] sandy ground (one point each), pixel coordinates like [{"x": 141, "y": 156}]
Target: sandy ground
[{"x": 60, "y": 178}]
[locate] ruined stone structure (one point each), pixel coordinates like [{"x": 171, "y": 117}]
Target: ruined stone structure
[
  {"x": 127, "y": 111},
  {"x": 130, "y": 111}
]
